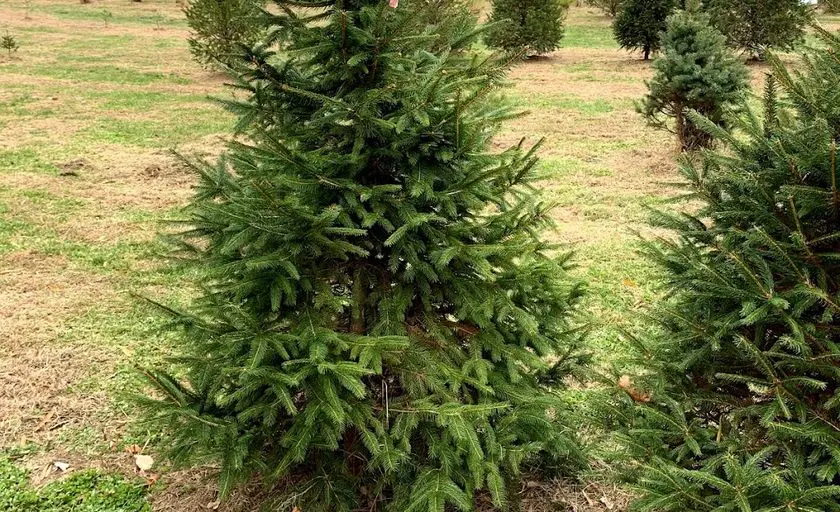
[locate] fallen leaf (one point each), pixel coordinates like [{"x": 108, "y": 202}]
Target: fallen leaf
[
  {"x": 630, "y": 283},
  {"x": 213, "y": 505},
  {"x": 152, "y": 479},
  {"x": 144, "y": 462},
  {"x": 61, "y": 466},
  {"x": 296, "y": 509}
]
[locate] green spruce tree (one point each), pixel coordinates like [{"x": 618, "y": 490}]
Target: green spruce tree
[
  {"x": 222, "y": 29},
  {"x": 380, "y": 312},
  {"x": 739, "y": 407},
  {"x": 530, "y": 26},
  {"x": 640, "y": 23},
  {"x": 756, "y": 26},
  {"x": 695, "y": 72}
]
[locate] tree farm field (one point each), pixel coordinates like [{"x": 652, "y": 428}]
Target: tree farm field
[{"x": 92, "y": 106}]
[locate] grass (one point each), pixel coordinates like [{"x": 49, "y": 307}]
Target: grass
[
  {"x": 121, "y": 15},
  {"x": 73, "y": 248},
  {"x": 84, "y": 491}
]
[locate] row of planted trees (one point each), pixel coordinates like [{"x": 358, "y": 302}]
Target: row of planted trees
[
  {"x": 753, "y": 27},
  {"x": 533, "y": 27},
  {"x": 384, "y": 327},
  {"x": 220, "y": 28}
]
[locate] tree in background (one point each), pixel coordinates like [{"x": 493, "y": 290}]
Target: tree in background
[
  {"x": 640, "y": 23},
  {"x": 531, "y": 26},
  {"x": 221, "y": 29},
  {"x": 380, "y": 313},
  {"x": 747, "y": 416},
  {"x": 610, "y": 7},
  {"x": 696, "y": 71},
  {"x": 830, "y": 6},
  {"x": 756, "y": 26}
]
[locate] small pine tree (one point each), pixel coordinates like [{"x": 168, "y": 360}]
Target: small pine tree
[
  {"x": 756, "y": 26},
  {"x": 696, "y": 71},
  {"x": 9, "y": 43},
  {"x": 381, "y": 315},
  {"x": 221, "y": 29},
  {"x": 747, "y": 416},
  {"x": 640, "y": 23},
  {"x": 532, "y": 26}
]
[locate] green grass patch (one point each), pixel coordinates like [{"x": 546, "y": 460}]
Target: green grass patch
[
  {"x": 588, "y": 36},
  {"x": 555, "y": 168},
  {"x": 10, "y": 227},
  {"x": 22, "y": 234},
  {"x": 92, "y": 12},
  {"x": 83, "y": 491},
  {"x": 97, "y": 74},
  {"x": 621, "y": 286},
  {"x": 51, "y": 203},
  {"x": 17, "y": 104},
  {"x": 25, "y": 159},
  {"x": 182, "y": 127},
  {"x": 144, "y": 101},
  {"x": 566, "y": 102}
]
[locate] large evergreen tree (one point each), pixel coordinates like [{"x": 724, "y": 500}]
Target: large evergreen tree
[
  {"x": 747, "y": 416},
  {"x": 640, "y": 23},
  {"x": 696, "y": 71},
  {"x": 756, "y": 26},
  {"x": 530, "y": 26},
  {"x": 379, "y": 309}
]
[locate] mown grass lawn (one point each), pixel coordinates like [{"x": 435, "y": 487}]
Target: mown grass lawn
[{"x": 90, "y": 108}]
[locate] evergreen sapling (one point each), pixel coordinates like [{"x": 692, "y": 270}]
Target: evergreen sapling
[
  {"x": 695, "y": 72},
  {"x": 9, "y": 43}
]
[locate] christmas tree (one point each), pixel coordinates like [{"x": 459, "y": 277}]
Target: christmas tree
[
  {"x": 380, "y": 311},
  {"x": 640, "y": 23},
  {"x": 739, "y": 408},
  {"x": 696, "y": 72},
  {"x": 530, "y": 26},
  {"x": 756, "y": 26}
]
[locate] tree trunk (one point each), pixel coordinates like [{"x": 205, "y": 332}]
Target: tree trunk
[{"x": 681, "y": 128}]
